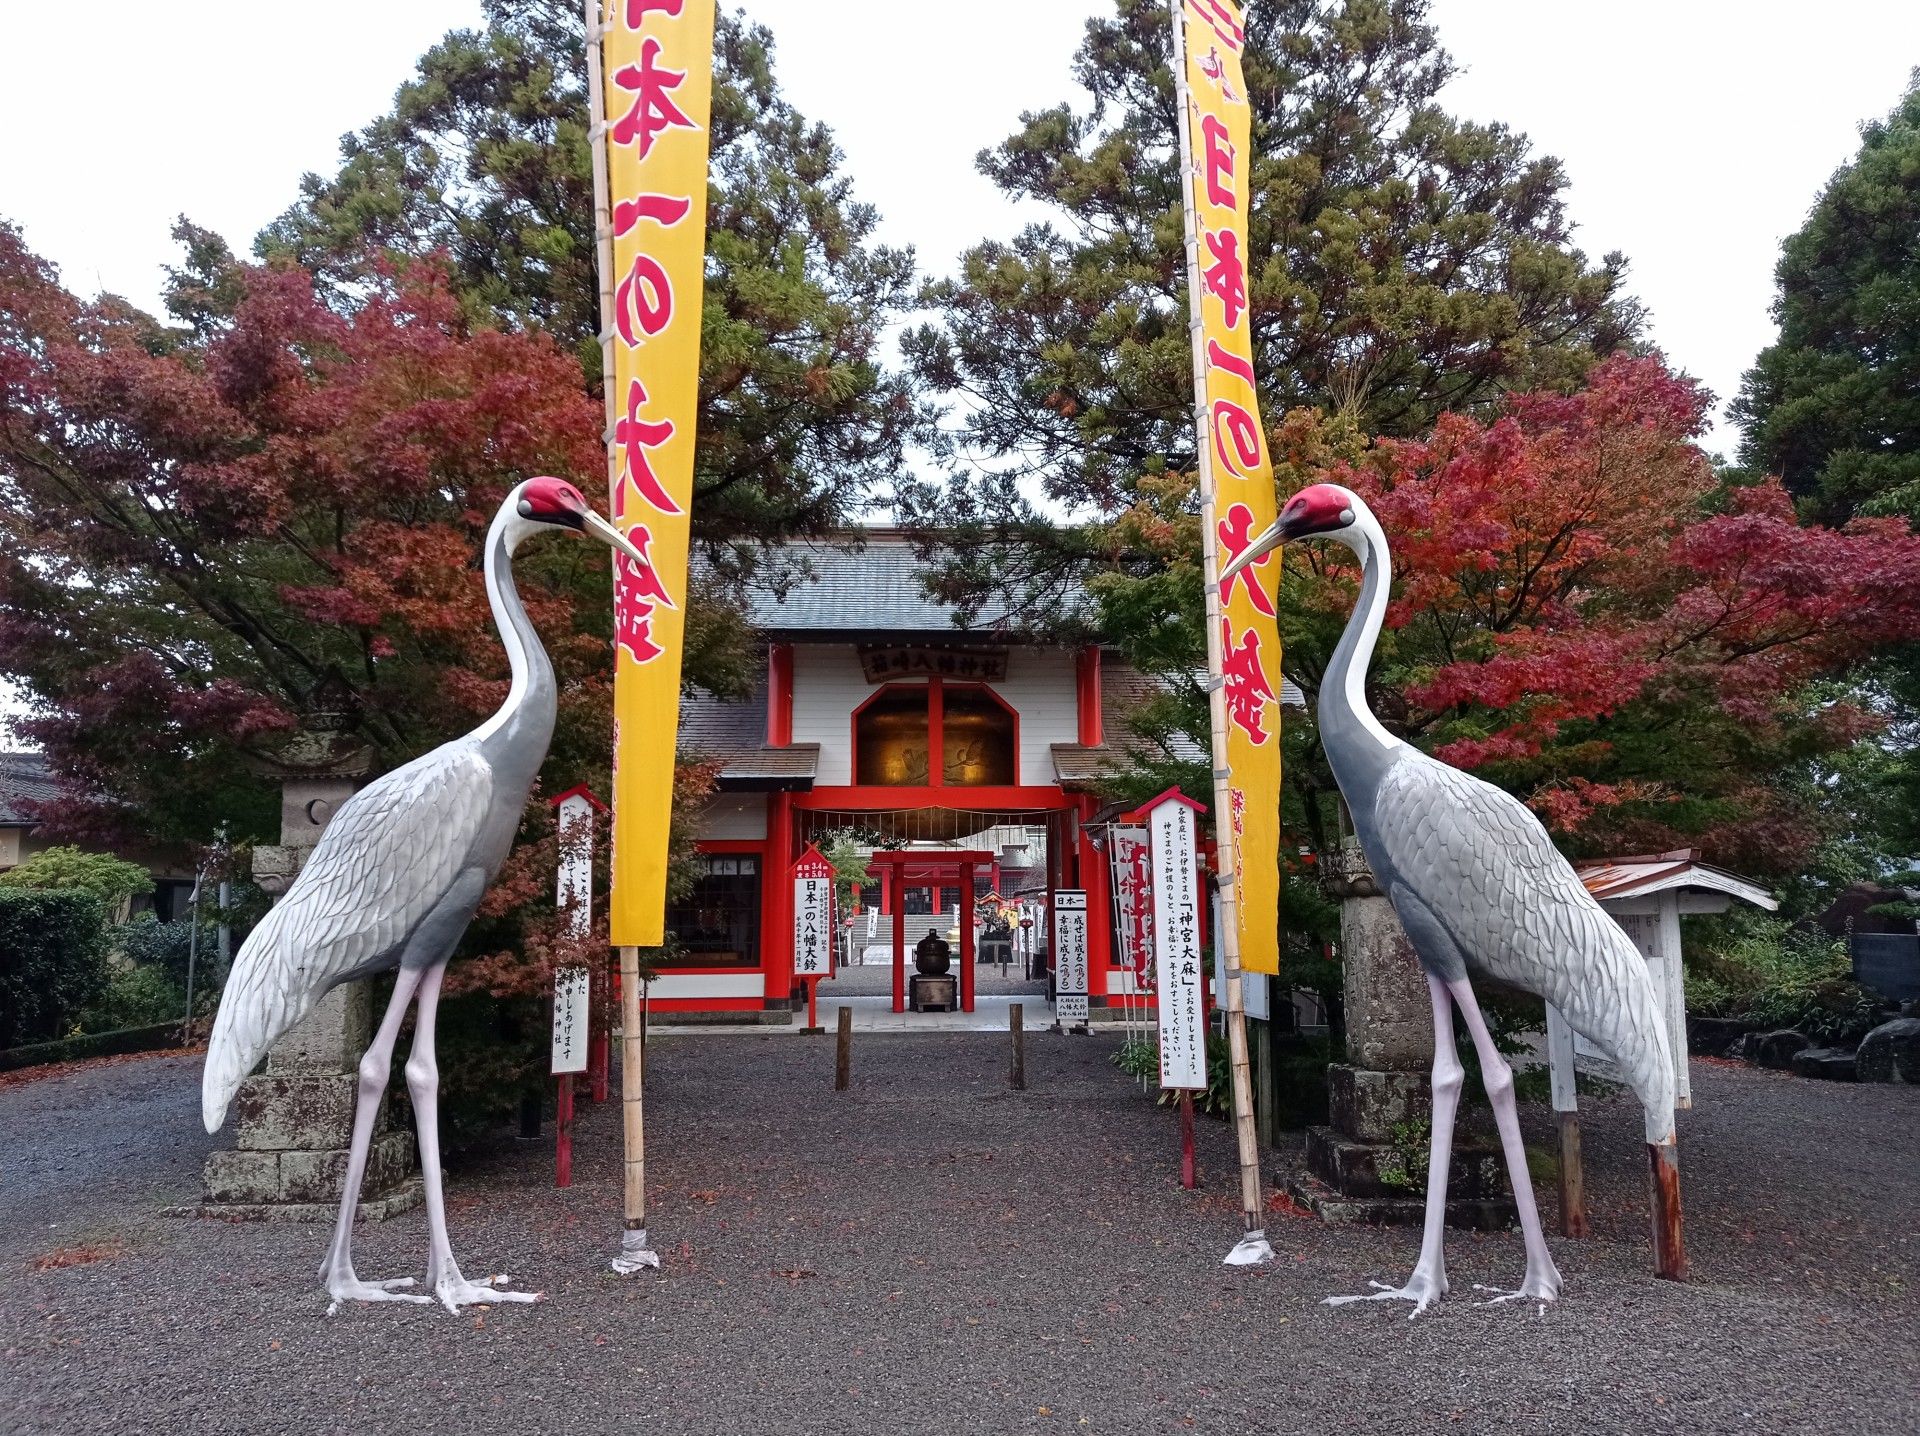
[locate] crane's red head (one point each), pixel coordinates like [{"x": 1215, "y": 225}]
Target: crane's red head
[
  {"x": 552, "y": 501},
  {"x": 1316, "y": 509}
]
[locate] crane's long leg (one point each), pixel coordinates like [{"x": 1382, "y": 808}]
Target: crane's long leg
[
  {"x": 375, "y": 1064},
  {"x": 423, "y": 1081},
  {"x": 1429, "y": 1280},
  {"x": 1542, "y": 1281}
]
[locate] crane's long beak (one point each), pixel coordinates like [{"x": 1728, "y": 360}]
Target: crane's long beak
[
  {"x": 612, "y": 537},
  {"x": 1267, "y": 540}
]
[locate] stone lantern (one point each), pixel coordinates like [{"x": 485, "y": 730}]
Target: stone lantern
[{"x": 295, "y": 1117}]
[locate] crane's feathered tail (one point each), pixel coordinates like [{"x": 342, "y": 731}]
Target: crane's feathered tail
[
  {"x": 1513, "y": 907},
  {"x": 1609, "y": 999},
  {"x": 255, "y": 1010}
]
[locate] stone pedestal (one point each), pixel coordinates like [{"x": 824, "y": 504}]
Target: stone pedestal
[
  {"x": 1370, "y": 1163},
  {"x": 295, "y": 1117}
]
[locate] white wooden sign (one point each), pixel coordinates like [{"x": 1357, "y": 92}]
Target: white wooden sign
[
  {"x": 570, "y": 1020},
  {"x": 573, "y": 894},
  {"x": 1180, "y": 973},
  {"x": 1070, "y": 956},
  {"x": 812, "y": 915}
]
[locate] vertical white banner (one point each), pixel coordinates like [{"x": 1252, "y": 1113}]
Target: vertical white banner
[
  {"x": 1181, "y": 978},
  {"x": 1070, "y": 955},
  {"x": 1132, "y": 903}
]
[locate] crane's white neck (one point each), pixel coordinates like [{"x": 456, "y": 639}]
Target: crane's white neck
[
  {"x": 526, "y": 659},
  {"x": 1344, "y": 714}
]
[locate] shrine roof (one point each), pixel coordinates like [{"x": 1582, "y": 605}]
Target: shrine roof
[
  {"x": 866, "y": 587},
  {"x": 1642, "y": 875},
  {"x": 735, "y": 733},
  {"x": 25, "y": 780}
]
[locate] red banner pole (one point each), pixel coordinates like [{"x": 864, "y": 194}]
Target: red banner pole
[{"x": 563, "y": 1120}]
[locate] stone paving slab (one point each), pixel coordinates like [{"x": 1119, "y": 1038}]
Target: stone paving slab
[{"x": 930, "y": 1252}]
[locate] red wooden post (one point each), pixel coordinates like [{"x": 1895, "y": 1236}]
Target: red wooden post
[
  {"x": 563, "y": 1119},
  {"x": 813, "y": 1005},
  {"x": 900, "y": 947},
  {"x": 1669, "y": 1238},
  {"x": 966, "y": 937},
  {"x": 1189, "y": 1164},
  {"x": 600, "y": 1044}
]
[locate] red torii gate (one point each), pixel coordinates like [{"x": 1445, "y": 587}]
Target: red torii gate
[{"x": 903, "y": 868}]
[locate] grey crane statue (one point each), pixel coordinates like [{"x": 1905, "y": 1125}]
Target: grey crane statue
[
  {"x": 391, "y": 886},
  {"x": 1479, "y": 887}
]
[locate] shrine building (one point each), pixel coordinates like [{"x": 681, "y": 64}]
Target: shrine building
[{"x": 959, "y": 761}]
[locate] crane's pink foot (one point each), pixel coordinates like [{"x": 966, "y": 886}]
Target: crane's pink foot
[
  {"x": 345, "y": 1286},
  {"x": 455, "y": 1291},
  {"x": 1423, "y": 1289}
]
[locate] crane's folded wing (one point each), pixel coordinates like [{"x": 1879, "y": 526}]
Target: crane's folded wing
[{"x": 384, "y": 860}]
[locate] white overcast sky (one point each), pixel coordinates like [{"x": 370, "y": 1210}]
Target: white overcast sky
[{"x": 1695, "y": 132}]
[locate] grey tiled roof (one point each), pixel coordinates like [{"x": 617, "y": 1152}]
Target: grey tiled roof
[
  {"x": 873, "y": 589},
  {"x": 24, "y": 780}
]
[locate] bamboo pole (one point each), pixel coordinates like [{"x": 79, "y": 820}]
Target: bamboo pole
[
  {"x": 635, "y": 1254},
  {"x": 1253, "y": 1247}
]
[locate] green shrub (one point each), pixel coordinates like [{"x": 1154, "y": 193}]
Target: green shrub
[
  {"x": 1140, "y": 1057},
  {"x": 71, "y": 870},
  {"x": 1761, "y": 970},
  {"x": 137, "y": 996},
  {"x": 53, "y": 962}
]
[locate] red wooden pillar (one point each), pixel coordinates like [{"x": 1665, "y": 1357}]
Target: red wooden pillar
[
  {"x": 776, "y": 937},
  {"x": 900, "y": 957},
  {"x": 966, "y": 937}
]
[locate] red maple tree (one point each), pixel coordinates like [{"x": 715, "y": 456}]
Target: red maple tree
[
  {"x": 1582, "y": 610},
  {"x": 216, "y": 535}
]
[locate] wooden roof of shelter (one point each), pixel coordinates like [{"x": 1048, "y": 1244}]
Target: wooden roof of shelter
[{"x": 1648, "y": 873}]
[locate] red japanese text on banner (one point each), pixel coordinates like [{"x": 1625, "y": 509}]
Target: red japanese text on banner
[
  {"x": 1220, "y": 137},
  {"x": 657, "y": 78}
]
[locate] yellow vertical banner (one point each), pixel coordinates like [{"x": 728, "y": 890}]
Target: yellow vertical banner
[
  {"x": 655, "y": 75},
  {"x": 1236, "y": 470}
]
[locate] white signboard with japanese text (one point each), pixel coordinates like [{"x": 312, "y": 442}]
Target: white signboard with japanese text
[
  {"x": 1070, "y": 956},
  {"x": 570, "y": 1020},
  {"x": 1180, "y": 974},
  {"x": 812, "y": 915}
]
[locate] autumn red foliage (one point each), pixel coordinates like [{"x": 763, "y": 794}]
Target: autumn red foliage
[
  {"x": 1581, "y": 610},
  {"x": 214, "y": 536}
]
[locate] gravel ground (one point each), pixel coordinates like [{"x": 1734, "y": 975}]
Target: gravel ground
[{"x": 932, "y": 1252}]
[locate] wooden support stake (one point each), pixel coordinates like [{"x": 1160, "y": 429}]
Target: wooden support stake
[
  {"x": 1669, "y": 1234},
  {"x": 563, "y": 1121},
  {"x": 1017, "y": 1078},
  {"x": 843, "y": 1051},
  {"x": 1573, "y": 1177},
  {"x": 1189, "y": 1164}
]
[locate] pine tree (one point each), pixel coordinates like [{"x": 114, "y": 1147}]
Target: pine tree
[
  {"x": 1403, "y": 262},
  {"x": 485, "y": 156},
  {"x": 1833, "y": 406}
]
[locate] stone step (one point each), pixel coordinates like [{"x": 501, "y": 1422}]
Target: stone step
[
  {"x": 1484, "y": 1214},
  {"x": 1374, "y": 1170}
]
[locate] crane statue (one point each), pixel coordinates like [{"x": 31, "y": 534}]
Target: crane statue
[
  {"x": 391, "y": 886},
  {"x": 1479, "y": 887}
]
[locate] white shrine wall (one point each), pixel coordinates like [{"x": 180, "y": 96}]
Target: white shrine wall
[{"x": 828, "y": 685}]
